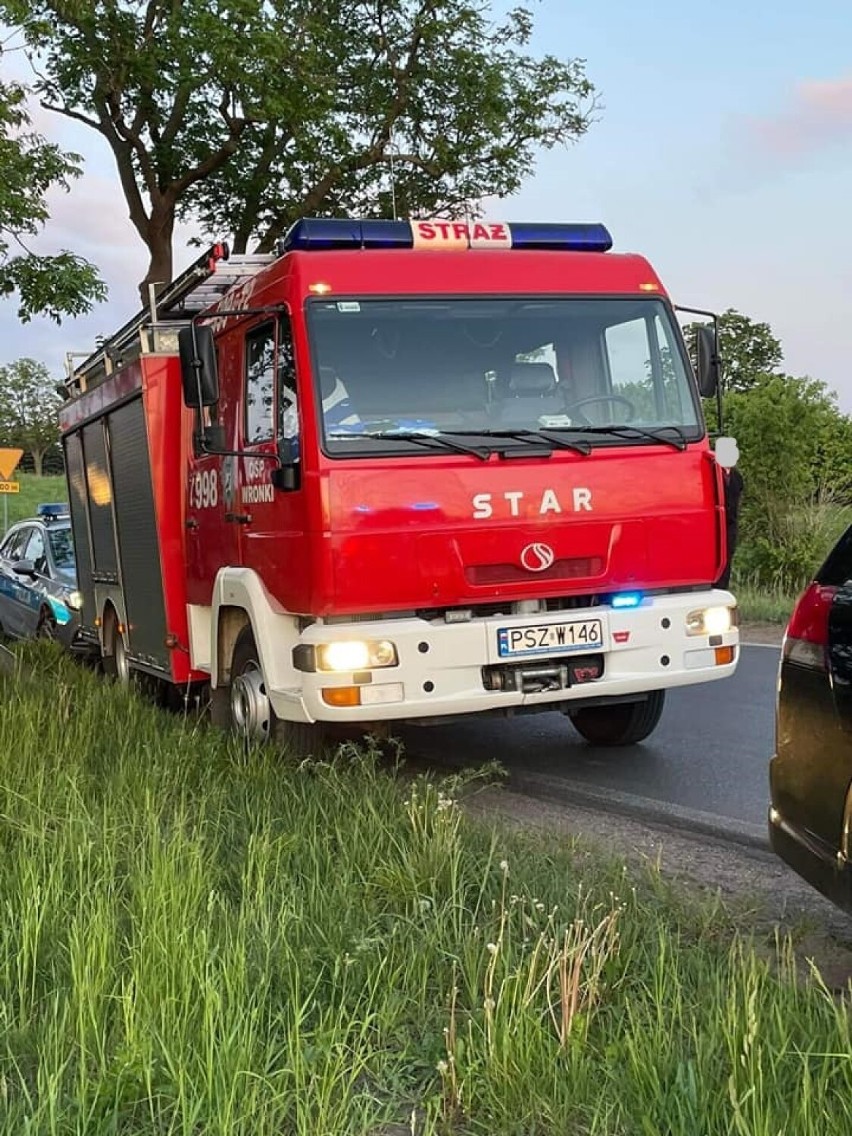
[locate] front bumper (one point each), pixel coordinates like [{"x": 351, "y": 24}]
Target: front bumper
[{"x": 445, "y": 669}]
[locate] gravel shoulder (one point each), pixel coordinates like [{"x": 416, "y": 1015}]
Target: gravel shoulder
[
  {"x": 761, "y": 894},
  {"x": 767, "y": 634}
]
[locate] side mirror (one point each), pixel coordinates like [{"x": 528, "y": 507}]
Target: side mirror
[
  {"x": 198, "y": 366},
  {"x": 24, "y": 568},
  {"x": 707, "y": 361}
]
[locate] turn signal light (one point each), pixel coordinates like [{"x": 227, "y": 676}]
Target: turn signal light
[
  {"x": 724, "y": 655},
  {"x": 342, "y": 695}
]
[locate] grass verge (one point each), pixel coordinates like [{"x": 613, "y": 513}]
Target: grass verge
[
  {"x": 203, "y": 940},
  {"x": 759, "y": 604},
  {"x": 34, "y": 491}
]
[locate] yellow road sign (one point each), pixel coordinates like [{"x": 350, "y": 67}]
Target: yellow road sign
[
  {"x": 10, "y": 487},
  {"x": 8, "y": 464}
]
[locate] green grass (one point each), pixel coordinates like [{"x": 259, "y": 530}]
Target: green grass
[
  {"x": 760, "y": 604},
  {"x": 34, "y": 491},
  {"x": 198, "y": 940}
]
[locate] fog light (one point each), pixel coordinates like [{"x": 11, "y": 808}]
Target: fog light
[
  {"x": 709, "y": 621},
  {"x": 355, "y": 655}
]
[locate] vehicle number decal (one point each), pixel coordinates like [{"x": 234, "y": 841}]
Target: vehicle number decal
[{"x": 204, "y": 489}]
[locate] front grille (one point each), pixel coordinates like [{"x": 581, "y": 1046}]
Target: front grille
[{"x": 573, "y": 568}]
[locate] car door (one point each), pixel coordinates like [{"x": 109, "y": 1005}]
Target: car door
[
  {"x": 14, "y": 590},
  {"x": 36, "y": 552},
  {"x": 813, "y": 771}
]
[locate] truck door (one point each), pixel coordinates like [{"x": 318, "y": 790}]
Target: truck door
[
  {"x": 275, "y": 524},
  {"x": 212, "y": 503}
]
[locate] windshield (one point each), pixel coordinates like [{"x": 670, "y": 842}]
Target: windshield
[
  {"x": 482, "y": 366},
  {"x": 62, "y": 550}
]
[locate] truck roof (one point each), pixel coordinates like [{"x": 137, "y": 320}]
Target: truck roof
[{"x": 384, "y": 258}]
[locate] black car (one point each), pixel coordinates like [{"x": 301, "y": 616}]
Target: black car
[
  {"x": 38, "y": 580},
  {"x": 810, "y": 816}
]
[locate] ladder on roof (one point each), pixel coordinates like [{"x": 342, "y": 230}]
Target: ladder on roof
[{"x": 198, "y": 287}]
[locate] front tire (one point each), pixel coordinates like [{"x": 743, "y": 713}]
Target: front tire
[
  {"x": 46, "y": 626},
  {"x": 625, "y": 723},
  {"x": 116, "y": 664},
  {"x": 250, "y": 713}
]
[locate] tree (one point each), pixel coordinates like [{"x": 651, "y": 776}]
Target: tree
[
  {"x": 29, "y": 404},
  {"x": 244, "y": 116},
  {"x": 53, "y": 286},
  {"x": 749, "y": 350}
]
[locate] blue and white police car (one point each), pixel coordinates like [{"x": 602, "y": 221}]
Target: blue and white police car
[{"x": 38, "y": 580}]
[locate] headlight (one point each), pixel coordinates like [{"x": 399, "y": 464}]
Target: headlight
[
  {"x": 709, "y": 621},
  {"x": 355, "y": 655},
  {"x": 75, "y": 600}
]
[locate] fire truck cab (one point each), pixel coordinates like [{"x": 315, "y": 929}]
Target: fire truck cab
[{"x": 402, "y": 472}]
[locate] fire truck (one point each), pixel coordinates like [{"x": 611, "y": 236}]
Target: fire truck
[{"x": 405, "y": 472}]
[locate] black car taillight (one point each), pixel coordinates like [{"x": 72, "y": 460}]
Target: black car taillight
[{"x": 806, "y": 636}]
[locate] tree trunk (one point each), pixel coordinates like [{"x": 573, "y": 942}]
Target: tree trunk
[
  {"x": 38, "y": 461},
  {"x": 158, "y": 238}
]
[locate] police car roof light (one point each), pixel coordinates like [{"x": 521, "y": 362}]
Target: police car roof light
[
  {"x": 52, "y": 510},
  {"x": 317, "y": 234}
]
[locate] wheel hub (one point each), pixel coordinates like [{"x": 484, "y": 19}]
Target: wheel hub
[{"x": 250, "y": 709}]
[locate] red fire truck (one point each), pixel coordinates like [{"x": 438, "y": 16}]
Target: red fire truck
[{"x": 401, "y": 472}]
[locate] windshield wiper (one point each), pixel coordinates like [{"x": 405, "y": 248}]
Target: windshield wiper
[
  {"x": 657, "y": 435},
  {"x": 421, "y": 437},
  {"x": 531, "y": 436}
]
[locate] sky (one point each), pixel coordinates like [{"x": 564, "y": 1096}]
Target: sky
[{"x": 721, "y": 150}]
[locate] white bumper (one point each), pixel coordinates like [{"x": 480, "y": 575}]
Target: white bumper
[{"x": 441, "y": 666}]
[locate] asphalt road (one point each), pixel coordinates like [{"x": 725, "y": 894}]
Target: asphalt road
[{"x": 708, "y": 757}]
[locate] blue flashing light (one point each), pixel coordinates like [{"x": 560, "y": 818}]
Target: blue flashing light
[
  {"x": 575, "y": 238},
  {"x": 52, "y": 511},
  {"x": 319, "y": 234},
  {"x": 627, "y": 599}
]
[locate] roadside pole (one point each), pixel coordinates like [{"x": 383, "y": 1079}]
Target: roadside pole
[{"x": 8, "y": 464}]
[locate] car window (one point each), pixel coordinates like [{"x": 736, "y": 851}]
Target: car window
[
  {"x": 15, "y": 543},
  {"x": 837, "y": 569},
  {"x": 35, "y": 552},
  {"x": 62, "y": 550}
]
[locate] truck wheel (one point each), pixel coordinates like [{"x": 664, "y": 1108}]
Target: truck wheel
[
  {"x": 251, "y": 715},
  {"x": 625, "y": 723},
  {"x": 116, "y": 664}
]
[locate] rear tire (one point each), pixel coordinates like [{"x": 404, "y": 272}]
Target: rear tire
[
  {"x": 250, "y": 713},
  {"x": 625, "y": 723}
]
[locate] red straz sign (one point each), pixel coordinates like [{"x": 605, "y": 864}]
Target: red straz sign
[{"x": 460, "y": 234}]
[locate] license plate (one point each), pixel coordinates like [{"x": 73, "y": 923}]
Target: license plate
[{"x": 578, "y": 635}]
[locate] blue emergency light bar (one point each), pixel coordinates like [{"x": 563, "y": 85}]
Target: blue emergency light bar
[
  {"x": 316, "y": 234},
  {"x": 52, "y": 511}
]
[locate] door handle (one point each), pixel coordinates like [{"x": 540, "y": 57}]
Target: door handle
[{"x": 238, "y": 518}]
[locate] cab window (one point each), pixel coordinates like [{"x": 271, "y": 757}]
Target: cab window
[{"x": 270, "y": 381}]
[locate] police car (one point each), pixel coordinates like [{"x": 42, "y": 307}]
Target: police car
[{"x": 38, "y": 580}]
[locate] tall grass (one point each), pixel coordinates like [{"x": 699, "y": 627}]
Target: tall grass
[{"x": 202, "y": 940}]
